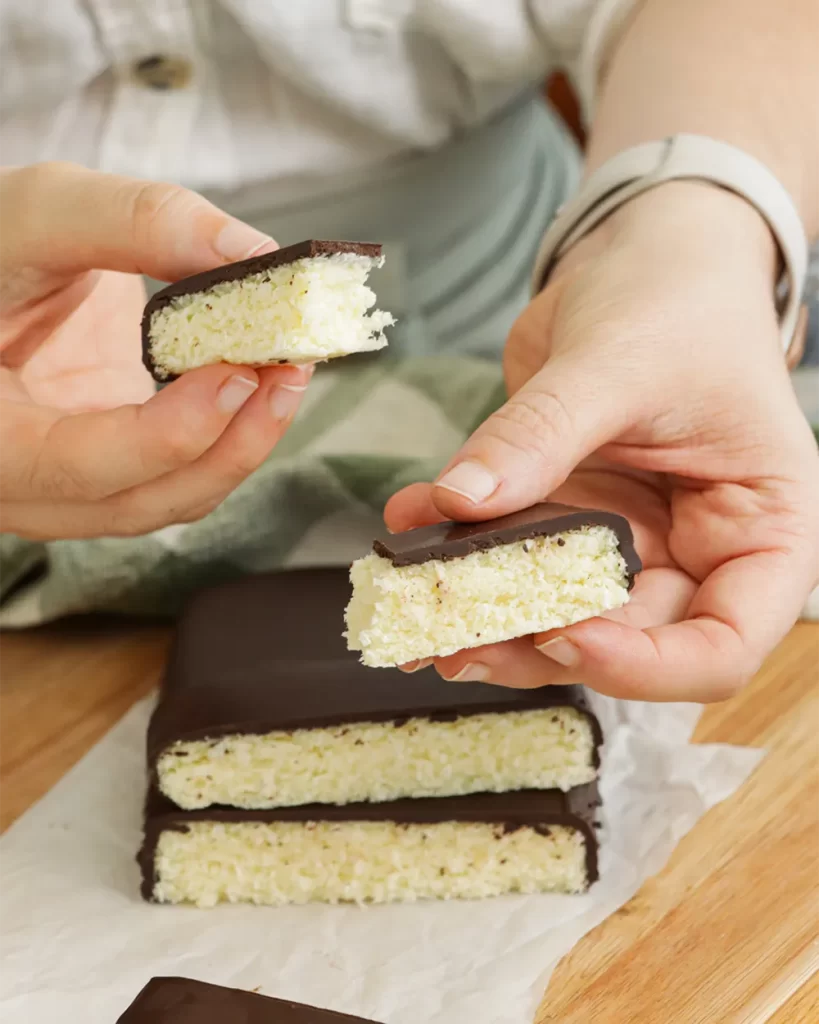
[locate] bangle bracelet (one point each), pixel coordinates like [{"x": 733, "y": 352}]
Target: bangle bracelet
[{"x": 686, "y": 158}]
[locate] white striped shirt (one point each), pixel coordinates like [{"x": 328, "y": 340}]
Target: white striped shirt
[{"x": 280, "y": 96}]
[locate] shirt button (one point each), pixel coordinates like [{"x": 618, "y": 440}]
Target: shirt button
[{"x": 163, "y": 73}]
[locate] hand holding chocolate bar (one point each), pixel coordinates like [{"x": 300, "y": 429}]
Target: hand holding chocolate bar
[
  {"x": 88, "y": 449},
  {"x": 640, "y": 388}
]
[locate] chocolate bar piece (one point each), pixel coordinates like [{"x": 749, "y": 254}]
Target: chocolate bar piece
[
  {"x": 440, "y": 589},
  {"x": 303, "y": 304},
  {"x": 445, "y": 541},
  {"x": 263, "y": 706},
  {"x": 185, "y": 1001},
  {"x": 462, "y": 847}
]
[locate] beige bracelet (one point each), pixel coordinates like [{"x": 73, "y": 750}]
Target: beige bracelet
[{"x": 691, "y": 158}]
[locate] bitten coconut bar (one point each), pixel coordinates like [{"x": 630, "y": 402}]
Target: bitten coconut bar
[
  {"x": 440, "y": 589},
  {"x": 263, "y": 706},
  {"x": 303, "y": 304},
  {"x": 463, "y": 847},
  {"x": 185, "y": 1001}
]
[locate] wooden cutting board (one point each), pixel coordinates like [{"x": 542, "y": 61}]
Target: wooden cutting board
[{"x": 727, "y": 933}]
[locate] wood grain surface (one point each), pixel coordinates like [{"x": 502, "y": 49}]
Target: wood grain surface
[{"x": 727, "y": 933}]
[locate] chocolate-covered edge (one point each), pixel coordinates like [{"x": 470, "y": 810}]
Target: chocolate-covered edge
[
  {"x": 250, "y": 692},
  {"x": 449, "y": 540},
  {"x": 158, "y": 739},
  {"x": 200, "y": 995},
  {"x": 235, "y": 272},
  {"x": 578, "y": 809}
]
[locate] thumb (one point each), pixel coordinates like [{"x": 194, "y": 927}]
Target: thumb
[
  {"x": 64, "y": 219},
  {"x": 528, "y": 447}
]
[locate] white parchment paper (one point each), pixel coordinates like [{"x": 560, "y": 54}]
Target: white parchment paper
[{"x": 78, "y": 944}]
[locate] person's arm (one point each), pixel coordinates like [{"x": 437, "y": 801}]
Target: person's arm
[
  {"x": 742, "y": 71},
  {"x": 648, "y": 376}
]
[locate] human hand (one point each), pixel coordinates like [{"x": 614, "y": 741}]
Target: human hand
[
  {"x": 88, "y": 447},
  {"x": 648, "y": 379}
]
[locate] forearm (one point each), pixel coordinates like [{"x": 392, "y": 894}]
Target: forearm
[{"x": 743, "y": 71}]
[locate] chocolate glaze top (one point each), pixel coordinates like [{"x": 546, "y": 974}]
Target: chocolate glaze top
[
  {"x": 448, "y": 540},
  {"x": 236, "y": 272},
  {"x": 185, "y": 1001},
  {"x": 265, "y": 653},
  {"x": 534, "y": 808}
]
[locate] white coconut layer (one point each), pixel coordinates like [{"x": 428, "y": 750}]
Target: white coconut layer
[
  {"x": 550, "y": 748},
  {"x": 302, "y": 312},
  {"x": 362, "y": 862},
  {"x": 398, "y": 615}
]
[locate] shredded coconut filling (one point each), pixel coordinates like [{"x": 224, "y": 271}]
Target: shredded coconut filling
[
  {"x": 363, "y": 862},
  {"x": 397, "y": 615},
  {"x": 549, "y": 748},
  {"x": 306, "y": 311}
]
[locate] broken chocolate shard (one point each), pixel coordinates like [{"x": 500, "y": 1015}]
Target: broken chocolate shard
[
  {"x": 449, "y": 540},
  {"x": 185, "y": 1001}
]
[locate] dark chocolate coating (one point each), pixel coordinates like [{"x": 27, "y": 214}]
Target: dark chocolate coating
[
  {"x": 445, "y": 541},
  {"x": 185, "y": 1001},
  {"x": 534, "y": 808},
  {"x": 265, "y": 653},
  {"x": 237, "y": 271}
]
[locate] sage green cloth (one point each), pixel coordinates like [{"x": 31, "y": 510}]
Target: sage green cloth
[{"x": 364, "y": 432}]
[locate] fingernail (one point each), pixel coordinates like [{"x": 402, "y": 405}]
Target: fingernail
[
  {"x": 473, "y": 672},
  {"x": 471, "y": 480},
  {"x": 233, "y": 394},
  {"x": 562, "y": 651},
  {"x": 415, "y": 666},
  {"x": 238, "y": 241},
  {"x": 285, "y": 399}
]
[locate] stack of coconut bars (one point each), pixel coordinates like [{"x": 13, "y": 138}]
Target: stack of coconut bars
[{"x": 283, "y": 771}]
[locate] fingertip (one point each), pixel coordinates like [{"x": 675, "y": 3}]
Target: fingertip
[
  {"x": 234, "y": 392},
  {"x": 236, "y": 241},
  {"x": 415, "y": 666},
  {"x": 287, "y": 374},
  {"x": 410, "y": 508},
  {"x": 594, "y": 645},
  {"x": 209, "y": 394},
  {"x": 464, "y": 488},
  {"x": 561, "y": 650}
]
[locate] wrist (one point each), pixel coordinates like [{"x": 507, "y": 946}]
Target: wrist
[
  {"x": 699, "y": 213},
  {"x": 691, "y": 217}
]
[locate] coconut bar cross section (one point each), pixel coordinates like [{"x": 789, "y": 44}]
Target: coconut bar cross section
[
  {"x": 262, "y": 706},
  {"x": 185, "y": 1001},
  {"x": 440, "y": 589},
  {"x": 464, "y": 847},
  {"x": 306, "y": 303}
]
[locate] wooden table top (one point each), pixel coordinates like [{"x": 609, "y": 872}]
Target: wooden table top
[{"x": 727, "y": 933}]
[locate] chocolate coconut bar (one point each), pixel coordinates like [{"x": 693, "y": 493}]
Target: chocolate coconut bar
[
  {"x": 440, "y": 589},
  {"x": 263, "y": 706},
  {"x": 303, "y": 304},
  {"x": 185, "y": 1001},
  {"x": 462, "y": 847}
]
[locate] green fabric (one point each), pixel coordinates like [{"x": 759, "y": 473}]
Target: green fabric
[{"x": 363, "y": 433}]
